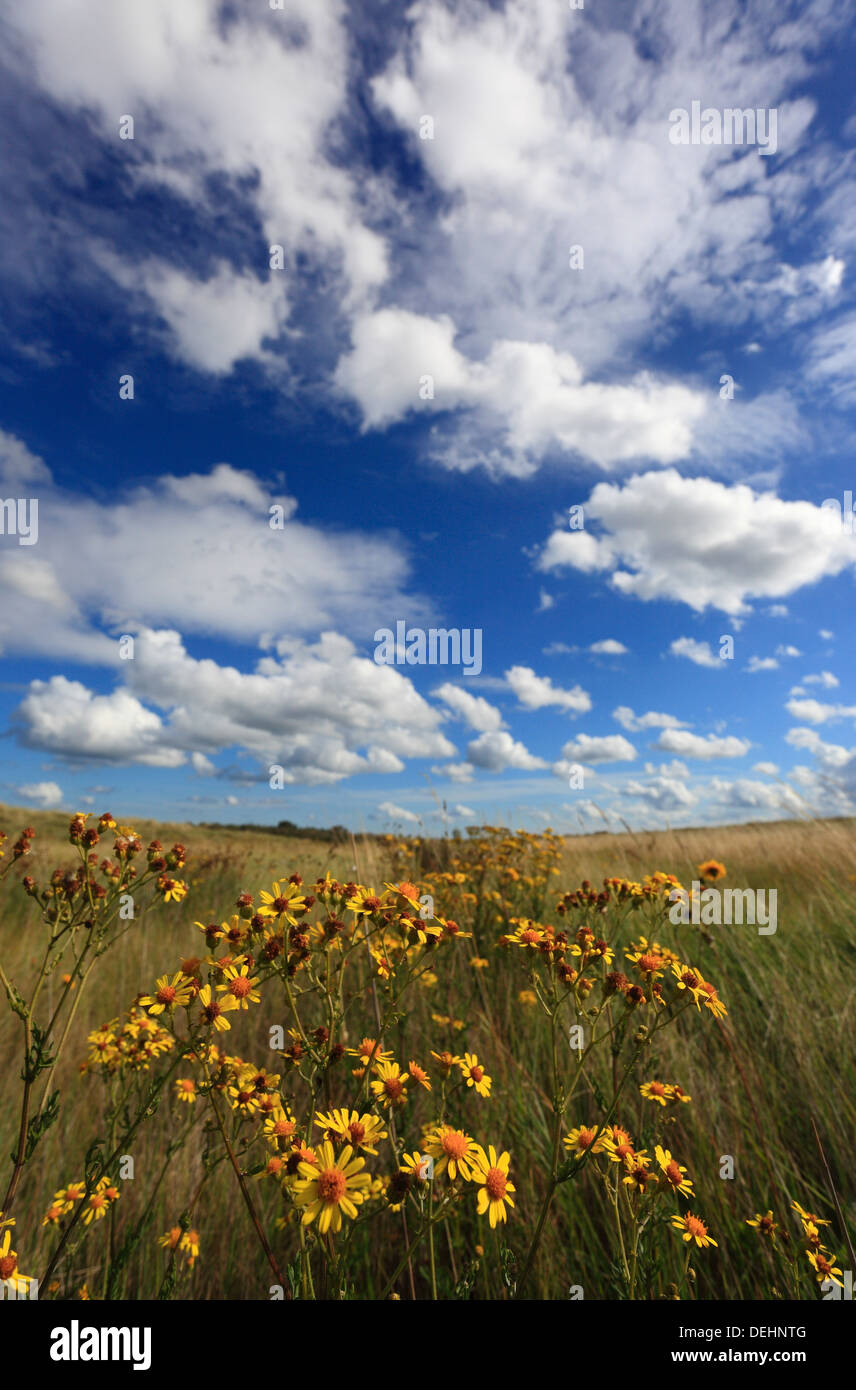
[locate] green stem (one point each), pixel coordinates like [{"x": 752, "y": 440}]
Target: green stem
[{"x": 431, "y": 1243}]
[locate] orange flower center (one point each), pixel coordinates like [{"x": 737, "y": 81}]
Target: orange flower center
[
  {"x": 166, "y": 995},
  {"x": 332, "y": 1185},
  {"x": 648, "y": 964},
  {"x": 241, "y": 987},
  {"x": 477, "y": 1073},
  {"x": 357, "y": 1132},
  {"x": 673, "y": 1173},
  {"x": 394, "y": 1087},
  {"x": 586, "y": 1138},
  {"x": 695, "y": 1226},
  {"x": 7, "y": 1266},
  {"x": 454, "y": 1143},
  {"x": 496, "y": 1183},
  {"x": 283, "y": 1128},
  {"x": 657, "y": 1088}
]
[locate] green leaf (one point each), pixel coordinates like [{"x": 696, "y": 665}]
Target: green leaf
[{"x": 40, "y": 1124}]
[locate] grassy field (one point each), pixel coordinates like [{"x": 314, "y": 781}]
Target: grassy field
[{"x": 781, "y": 1065}]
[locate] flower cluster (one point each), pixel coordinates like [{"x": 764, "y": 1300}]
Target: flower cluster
[
  {"x": 95, "y": 1204},
  {"x": 822, "y": 1261},
  {"x": 134, "y": 1043}
]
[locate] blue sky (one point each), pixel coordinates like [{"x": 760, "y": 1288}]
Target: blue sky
[{"x": 425, "y": 384}]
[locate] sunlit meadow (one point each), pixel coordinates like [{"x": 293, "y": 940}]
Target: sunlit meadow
[{"x": 241, "y": 1065}]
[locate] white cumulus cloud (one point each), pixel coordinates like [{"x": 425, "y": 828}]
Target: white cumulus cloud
[
  {"x": 538, "y": 692},
  {"x": 494, "y": 752},
  {"x": 704, "y": 543},
  {"x": 479, "y": 713},
  {"x": 586, "y": 748},
  {"x": 45, "y": 794},
  {"x": 704, "y": 746}
]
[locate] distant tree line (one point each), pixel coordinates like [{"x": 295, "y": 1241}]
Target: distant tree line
[{"x": 335, "y": 834}]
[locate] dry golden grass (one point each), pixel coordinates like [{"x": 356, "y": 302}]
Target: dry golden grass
[{"x": 784, "y": 1056}]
